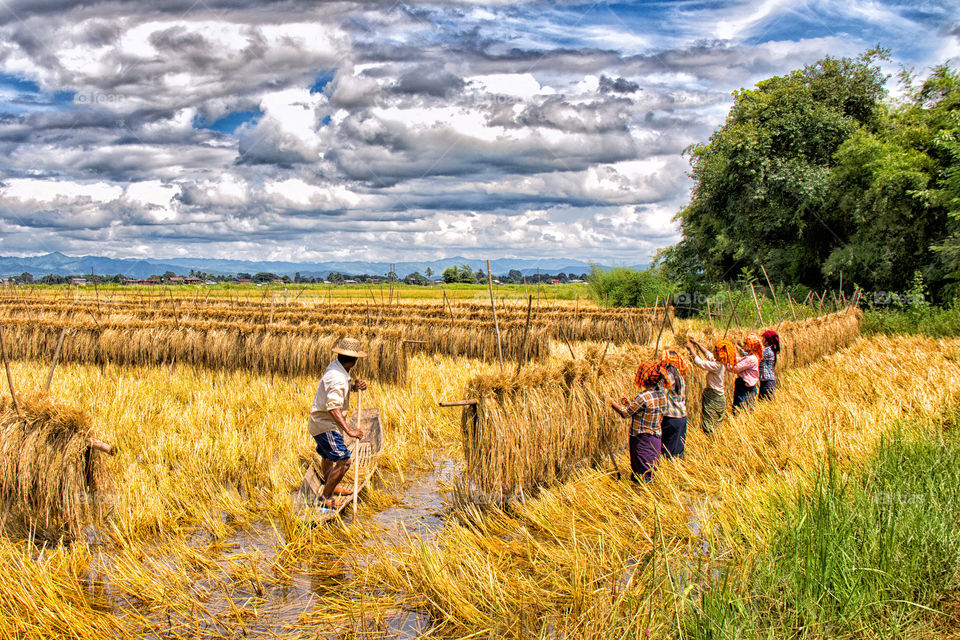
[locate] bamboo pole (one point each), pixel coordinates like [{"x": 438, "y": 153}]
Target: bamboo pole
[
  {"x": 458, "y": 403},
  {"x": 56, "y": 357},
  {"x": 773, "y": 292},
  {"x": 6, "y": 365},
  {"x": 496, "y": 324},
  {"x": 733, "y": 311},
  {"x": 526, "y": 331},
  {"x": 356, "y": 451},
  {"x": 757, "y": 305}
]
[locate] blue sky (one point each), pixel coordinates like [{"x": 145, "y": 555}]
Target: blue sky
[{"x": 391, "y": 131}]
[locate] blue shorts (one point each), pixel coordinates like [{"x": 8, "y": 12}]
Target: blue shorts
[{"x": 330, "y": 446}]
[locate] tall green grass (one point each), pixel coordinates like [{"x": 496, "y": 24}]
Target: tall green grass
[
  {"x": 935, "y": 322},
  {"x": 870, "y": 554}
]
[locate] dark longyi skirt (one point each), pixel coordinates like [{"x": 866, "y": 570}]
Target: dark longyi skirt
[
  {"x": 674, "y": 437},
  {"x": 743, "y": 396},
  {"x": 644, "y": 452}
]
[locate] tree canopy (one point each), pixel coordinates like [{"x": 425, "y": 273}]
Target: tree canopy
[{"x": 818, "y": 172}]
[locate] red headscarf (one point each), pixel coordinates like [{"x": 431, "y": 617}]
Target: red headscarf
[
  {"x": 651, "y": 372},
  {"x": 772, "y": 339},
  {"x": 752, "y": 344}
]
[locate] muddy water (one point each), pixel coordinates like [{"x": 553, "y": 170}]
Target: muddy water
[{"x": 259, "y": 603}]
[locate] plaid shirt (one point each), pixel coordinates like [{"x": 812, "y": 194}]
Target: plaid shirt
[
  {"x": 646, "y": 412},
  {"x": 767, "y": 364},
  {"x": 676, "y": 396}
]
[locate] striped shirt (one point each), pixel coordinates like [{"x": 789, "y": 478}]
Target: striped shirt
[
  {"x": 646, "y": 412},
  {"x": 768, "y": 364},
  {"x": 676, "y": 396}
]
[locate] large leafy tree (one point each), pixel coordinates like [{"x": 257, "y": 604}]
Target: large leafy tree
[
  {"x": 762, "y": 180},
  {"x": 814, "y": 174}
]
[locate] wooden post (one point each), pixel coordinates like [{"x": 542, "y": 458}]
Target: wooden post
[
  {"x": 458, "y": 403},
  {"x": 496, "y": 324},
  {"x": 733, "y": 311},
  {"x": 666, "y": 318},
  {"x": 526, "y": 329},
  {"x": 792, "y": 310},
  {"x": 56, "y": 356},
  {"x": 356, "y": 452},
  {"x": 757, "y": 305},
  {"x": 6, "y": 365},
  {"x": 773, "y": 291},
  {"x": 709, "y": 315}
]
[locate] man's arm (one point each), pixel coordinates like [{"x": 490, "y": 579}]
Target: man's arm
[{"x": 342, "y": 423}]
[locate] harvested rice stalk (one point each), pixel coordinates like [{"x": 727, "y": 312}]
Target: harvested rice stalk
[
  {"x": 532, "y": 429},
  {"x": 49, "y": 475}
]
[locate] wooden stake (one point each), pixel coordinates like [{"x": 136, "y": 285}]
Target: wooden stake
[
  {"x": 496, "y": 324},
  {"x": 709, "y": 315},
  {"x": 356, "y": 452},
  {"x": 773, "y": 291},
  {"x": 6, "y": 365},
  {"x": 458, "y": 403},
  {"x": 56, "y": 356},
  {"x": 105, "y": 447},
  {"x": 792, "y": 310},
  {"x": 526, "y": 330},
  {"x": 757, "y": 305},
  {"x": 733, "y": 311},
  {"x": 563, "y": 335}
]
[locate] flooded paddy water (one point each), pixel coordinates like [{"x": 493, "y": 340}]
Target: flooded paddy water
[{"x": 261, "y": 582}]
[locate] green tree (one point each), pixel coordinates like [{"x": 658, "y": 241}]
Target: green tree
[{"x": 761, "y": 182}]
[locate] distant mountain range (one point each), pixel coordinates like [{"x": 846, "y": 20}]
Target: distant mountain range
[{"x": 59, "y": 264}]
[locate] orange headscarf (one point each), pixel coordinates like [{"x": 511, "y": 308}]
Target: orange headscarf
[
  {"x": 652, "y": 372},
  {"x": 671, "y": 357},
  {"x": 725, "y": 352},
  {"x": 753, "y": 345}
]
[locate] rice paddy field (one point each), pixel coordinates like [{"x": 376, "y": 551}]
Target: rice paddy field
[{"x": 828, "y": 512}]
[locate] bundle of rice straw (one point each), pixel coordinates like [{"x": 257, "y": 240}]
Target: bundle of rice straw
[{"x": 49, "y": 476}]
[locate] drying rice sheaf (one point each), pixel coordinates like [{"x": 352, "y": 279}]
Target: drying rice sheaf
[
  {"x": 532, "y": 429},
  {"x": 587, "y": 323},
  {"x": 596, "y": 559},
  {"x": 213, "y": 346},
  {"x": 48, "y": 474}
]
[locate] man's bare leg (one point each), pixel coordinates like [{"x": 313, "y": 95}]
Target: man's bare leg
[
  {"x": 325, "y": 470},
  {"x": 332, "y": 479}
]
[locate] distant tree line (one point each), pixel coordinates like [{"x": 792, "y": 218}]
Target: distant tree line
[{"x": 455, "y": 274}]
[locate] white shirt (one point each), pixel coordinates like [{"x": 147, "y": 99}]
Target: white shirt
[
  {"x": 333, "y": 393},
  {"x": 715, "y": 372}
]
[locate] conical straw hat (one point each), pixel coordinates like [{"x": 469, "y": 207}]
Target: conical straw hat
[{"x": 349, "y": 347}]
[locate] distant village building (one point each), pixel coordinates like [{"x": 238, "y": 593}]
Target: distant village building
[
  {"x": 78, "y": 281},
  {"x": 244, "y": 281}
]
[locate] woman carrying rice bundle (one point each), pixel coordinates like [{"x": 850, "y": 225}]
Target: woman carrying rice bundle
[
  {"x": 674, "y": 425},
  {"x": 646, "y": 416},
  {"x": 713, "y": 403},
  {"x": 747, "y": 369},
  {"x": 768, "y": 364}
]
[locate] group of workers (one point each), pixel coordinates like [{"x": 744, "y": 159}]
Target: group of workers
[{"x": 658, "y": 414}]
